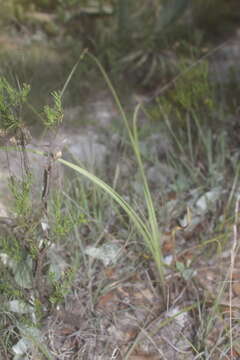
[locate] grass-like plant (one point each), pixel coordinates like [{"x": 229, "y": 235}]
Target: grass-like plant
[{"x": 147, "y": 226}]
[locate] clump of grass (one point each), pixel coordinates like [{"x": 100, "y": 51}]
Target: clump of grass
[
  {"x": 188, "y": 113},
  {"x": 192, "y": 93},
  {"x": 147, "y": 227}
]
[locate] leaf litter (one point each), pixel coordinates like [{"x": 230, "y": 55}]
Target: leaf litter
[
  {"x": 117, "y": 309},
  {"x": 127, "y": 317}
]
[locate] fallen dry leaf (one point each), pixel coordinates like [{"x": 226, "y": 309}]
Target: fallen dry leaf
[
  {"x": 144, "y": 294},
  {"x": 110, "y": 299},
  {"x": 110, "y": 272},
  {"x": 237, "y": 349},
  {"x": 67, "y": 330},
  {"x": 236, "y": 288},
  {"x": 126, "y": 334},
  {"x": 144, "y": 357},
  {"x": 236, "y": 282},
  {"x": 131, "y": 333},
  {"x": 167, "y": 241}
]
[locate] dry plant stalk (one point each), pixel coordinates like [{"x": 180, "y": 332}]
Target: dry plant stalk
[{"x": 231, "y": 270}]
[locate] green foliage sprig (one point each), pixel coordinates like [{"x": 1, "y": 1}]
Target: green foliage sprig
[
  {"x": 54, "y": 114},
  {"x": 11, "y": 101},
  {"x": 21, "y": 191}
]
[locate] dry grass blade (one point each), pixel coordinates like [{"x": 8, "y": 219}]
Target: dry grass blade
[{"x": 233, "y": 255}]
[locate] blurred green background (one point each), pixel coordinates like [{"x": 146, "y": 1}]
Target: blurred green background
[{"x": 138, "y": 42}]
